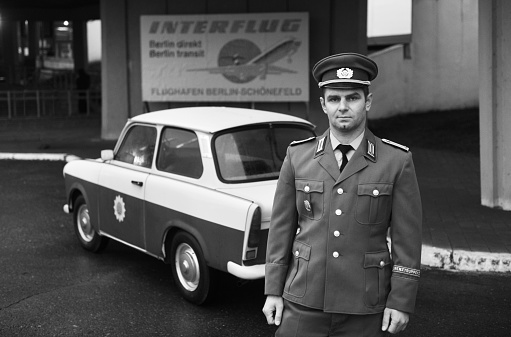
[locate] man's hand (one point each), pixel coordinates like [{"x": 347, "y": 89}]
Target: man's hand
[
  {"x": 273, "y": 304},
  {"x": 394, "y": 321}
]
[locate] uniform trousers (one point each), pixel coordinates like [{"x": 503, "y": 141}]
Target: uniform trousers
[{"x": 300, "y": 321}]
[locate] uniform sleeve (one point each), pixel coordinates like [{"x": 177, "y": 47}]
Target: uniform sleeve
[
  {"x": 282, "y": 230},
  {"x": 406, "y": 238}
]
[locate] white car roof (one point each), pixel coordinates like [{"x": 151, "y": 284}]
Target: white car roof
[{"x": 213, "y": 119}]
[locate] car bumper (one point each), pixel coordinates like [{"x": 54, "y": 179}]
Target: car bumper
[{"x": 246, "y": 272}]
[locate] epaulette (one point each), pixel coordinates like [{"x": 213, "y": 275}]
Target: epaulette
[
  {"x": 402, "y": 147},
  {"x": 296, "y": 142}
]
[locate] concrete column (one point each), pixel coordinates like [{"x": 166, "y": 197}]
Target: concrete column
[
  {"x": 114, "y": 68},
  {"x": 9, "y": 45},
  {"x": 348, "y": 19},
  {"x": 495, "y": 102},
  {"x": 80, "y": 44}
]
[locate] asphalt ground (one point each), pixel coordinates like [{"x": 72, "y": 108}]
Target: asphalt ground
[{"x": 458, "y": 232}]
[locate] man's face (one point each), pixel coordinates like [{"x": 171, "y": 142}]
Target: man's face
[{"x": 346, "y": 109}]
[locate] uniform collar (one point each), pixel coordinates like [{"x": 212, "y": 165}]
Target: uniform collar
[
  {"x": 370, "y": 146},
  {"x": 366, "y": 151},
  {"x": 367, "y": 139},
  {"x": 354, "y": 144}
]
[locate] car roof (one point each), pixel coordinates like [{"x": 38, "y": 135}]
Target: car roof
[{"x": 214, "y": 119}]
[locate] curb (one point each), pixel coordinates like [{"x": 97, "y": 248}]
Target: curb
[
  {"x": 462, "y": 260},
  {"x": 434, "y": 257},
  {"x": 38, "y": 156}
]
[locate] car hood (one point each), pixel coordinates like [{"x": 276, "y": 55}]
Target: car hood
[{"x": 261, "y": 193}]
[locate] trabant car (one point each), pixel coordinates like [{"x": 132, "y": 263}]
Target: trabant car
[{"x": 192, "y": 187}]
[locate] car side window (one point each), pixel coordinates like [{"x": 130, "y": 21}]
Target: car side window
[
  {"x": 138, "y": 146},
  {"x": 180, "y": 153}
]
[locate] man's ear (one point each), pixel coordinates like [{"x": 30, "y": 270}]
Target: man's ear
[
  {"x": 369, "y": 101},
  {"x": 322, "y": 100}
]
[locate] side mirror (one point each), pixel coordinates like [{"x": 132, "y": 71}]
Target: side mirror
[{"x": 107, "y": 155}]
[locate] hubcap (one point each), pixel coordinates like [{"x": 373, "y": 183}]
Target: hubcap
[
  {"x": 187, "y": 267},
  {"x": 83, "y": 222}
]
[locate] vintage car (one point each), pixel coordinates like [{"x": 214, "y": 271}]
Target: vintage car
[{"x": 192, "y": 187}]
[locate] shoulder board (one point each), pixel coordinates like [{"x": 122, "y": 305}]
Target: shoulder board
[
  {"x": 296, "y": 142},
  {"x": 402, "y": 147}
]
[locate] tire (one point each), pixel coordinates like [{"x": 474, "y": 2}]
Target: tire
[
  {"x": 191, "y": 274},
  {"x": 87, "y": 236}
]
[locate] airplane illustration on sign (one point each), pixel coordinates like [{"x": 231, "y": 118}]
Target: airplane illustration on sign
[{"x": 258, "y": 66}]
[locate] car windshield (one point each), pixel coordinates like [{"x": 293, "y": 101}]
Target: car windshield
[{"x": 255, "y": 153}]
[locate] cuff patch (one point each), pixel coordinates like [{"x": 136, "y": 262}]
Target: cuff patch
[{"x": 407, "y": 271}]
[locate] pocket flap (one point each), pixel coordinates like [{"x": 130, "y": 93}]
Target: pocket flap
[
  {"x": 377, "y": 259},
  {"x": 309, "y": 186},
  {"x": 301, "y": 250},
  {"x": 375, "y": 189}
]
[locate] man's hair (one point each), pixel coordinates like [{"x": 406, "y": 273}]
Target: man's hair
[{"x": 365, "y": 89}]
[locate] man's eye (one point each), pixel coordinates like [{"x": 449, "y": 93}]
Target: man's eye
[
  {"x": 333, "y": 99},
  {"x": 353, "y": 98}
]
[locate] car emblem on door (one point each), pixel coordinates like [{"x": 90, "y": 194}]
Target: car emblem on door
[{"x": 119, "y": 208}]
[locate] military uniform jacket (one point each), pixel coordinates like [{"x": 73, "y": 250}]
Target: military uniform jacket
[{"x": 327, "y": 244}]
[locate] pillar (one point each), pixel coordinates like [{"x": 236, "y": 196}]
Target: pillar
[
  {"x": 348, "y": 26},
  {"x": 80, "y": 44},
  {"x": 114, "y": 68},
  {"x": 495, "y": 102}
]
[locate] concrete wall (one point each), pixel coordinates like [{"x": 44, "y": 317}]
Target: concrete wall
[{"x": 442, "y": 73}]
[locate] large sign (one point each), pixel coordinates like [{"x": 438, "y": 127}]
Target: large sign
[{"x": 228, "y": 57}]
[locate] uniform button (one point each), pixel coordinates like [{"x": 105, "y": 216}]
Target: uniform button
[
  {"x": 307, "y": 188},
  {"x": 337, "y": 233},
  {"x": 382, "y": 263},
  {"x": 297, "y": 253},
  {"x": 335, "y": 254},
  {"x": 376, "y": 192},
  {"x": 338, "y": 212},
  {"x": 298, "y": 230},
  {"x": 340, "y": 191}
]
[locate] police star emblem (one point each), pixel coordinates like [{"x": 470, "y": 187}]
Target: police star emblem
[
  {"x": 119, "y": 208},
  {"x": 344, "y": 73},
  {"x": 307, "y": 205}
]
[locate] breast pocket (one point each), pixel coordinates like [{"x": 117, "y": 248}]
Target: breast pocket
[
  {"x": 309, "y": 198},
  {"x": 374, "y": 202}
]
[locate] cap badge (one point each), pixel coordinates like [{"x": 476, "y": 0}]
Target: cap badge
[{"x": 344, "y": 73}]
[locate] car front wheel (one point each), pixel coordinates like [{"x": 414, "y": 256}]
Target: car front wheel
[
  {"x": 189, "y": 269},
  {"x": 87, "y": 236}
]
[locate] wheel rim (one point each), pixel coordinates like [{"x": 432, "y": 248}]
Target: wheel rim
[
  {"x": 83, "y": 223},
  {"x": 187, "y": 267}
]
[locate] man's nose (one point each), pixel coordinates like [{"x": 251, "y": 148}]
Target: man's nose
[{"x": 343, "y": 104}]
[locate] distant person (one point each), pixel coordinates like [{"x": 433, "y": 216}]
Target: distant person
[
  {"x": 82, "y": 84},
  {"x": 329, "y": 271}
]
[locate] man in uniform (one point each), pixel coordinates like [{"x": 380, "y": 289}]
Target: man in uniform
[{"x": 329, "y": 268}]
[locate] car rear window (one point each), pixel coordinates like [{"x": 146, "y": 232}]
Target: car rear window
[
  {"x": 179, "y": 153},
  {"x": 255, "y": 153}
]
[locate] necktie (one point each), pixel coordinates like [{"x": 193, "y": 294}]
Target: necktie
[{"x": 344, "y": 149}]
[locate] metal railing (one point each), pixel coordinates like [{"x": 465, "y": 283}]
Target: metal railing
[{"x": 44, "y": 103}]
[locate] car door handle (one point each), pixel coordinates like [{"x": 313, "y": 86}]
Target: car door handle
[{"x": 138, "y": 183}]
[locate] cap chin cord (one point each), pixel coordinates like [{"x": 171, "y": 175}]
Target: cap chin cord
[{"x": 321, "y": 84}]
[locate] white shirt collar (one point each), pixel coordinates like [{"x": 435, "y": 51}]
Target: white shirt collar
[{"x": 355, "y": 143}]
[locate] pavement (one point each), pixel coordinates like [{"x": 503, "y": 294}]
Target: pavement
[{"x": 459, "y": 234}]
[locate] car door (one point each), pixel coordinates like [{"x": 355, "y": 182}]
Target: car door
[{"x": 123, "y": 183}]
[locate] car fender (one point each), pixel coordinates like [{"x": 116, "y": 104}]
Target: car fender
[{"x": 81, "y": 176}]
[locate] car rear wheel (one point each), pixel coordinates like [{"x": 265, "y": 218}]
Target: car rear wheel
[
  {"x": 87, "y": 236},
  {"x": 189, "y": 269}
]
